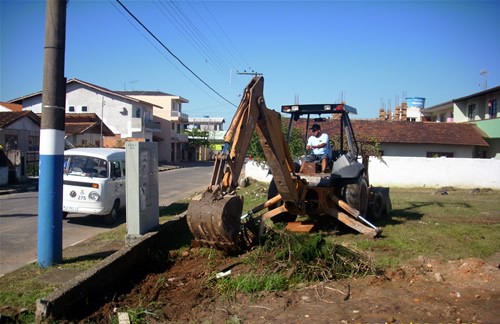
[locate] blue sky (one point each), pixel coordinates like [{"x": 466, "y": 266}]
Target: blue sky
[{"x": 371, "y": 53}]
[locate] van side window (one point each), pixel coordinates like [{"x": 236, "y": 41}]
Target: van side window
[{"x": 116, "y": 171}]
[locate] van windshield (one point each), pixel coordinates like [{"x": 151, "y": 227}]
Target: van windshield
[{"x": 86, "y": 166}]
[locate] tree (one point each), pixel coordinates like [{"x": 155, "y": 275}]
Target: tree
[
  {"x": 197, "y": 137},
  {"x": 296, "y": 145}
]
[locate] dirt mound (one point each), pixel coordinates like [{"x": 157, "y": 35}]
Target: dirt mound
[{"x": 421, "y": 291}]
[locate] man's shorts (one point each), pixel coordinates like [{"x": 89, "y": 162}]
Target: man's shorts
[{"x": 315, "y": 157}]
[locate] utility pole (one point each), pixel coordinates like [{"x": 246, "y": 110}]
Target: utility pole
[
  {"x": 52, "y": 136},
  {"x": 249, "y": 73}
]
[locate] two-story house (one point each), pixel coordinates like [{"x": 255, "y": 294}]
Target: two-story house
[
  {"x": 125, "y": 116},
  {"x": 480, "y": 108},
  {"x": 215, "y": 128},
  {"x": 172, "y": 143}
]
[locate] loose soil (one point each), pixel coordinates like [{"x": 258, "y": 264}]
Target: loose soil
[{"x": 421, "y": 291}]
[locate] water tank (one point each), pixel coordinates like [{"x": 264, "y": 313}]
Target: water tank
[{"x": 415, "y": 102}]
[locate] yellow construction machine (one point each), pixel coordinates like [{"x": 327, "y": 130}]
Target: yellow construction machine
[{"x": 216, "y": 218}]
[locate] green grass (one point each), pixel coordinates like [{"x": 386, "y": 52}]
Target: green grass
[
  {"x": 447, "y": 227},
  {"x": 453, "y": 226}
]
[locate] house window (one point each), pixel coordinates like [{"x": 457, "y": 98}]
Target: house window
[
  {"x": 173, "y": 126},
  {"x": 71, "y": 109},
  {"x": 33, "y": 143},
  {"x": 11, "y": 142},
  {"x": 471, "y": 111},
  {"x": 492, "y": 108},
  {"x": 137, "y": 112},
  {"x": 84, "y": 108},
  {"x": 440, "y": 154},
  {"x": 84, "y": 142}
]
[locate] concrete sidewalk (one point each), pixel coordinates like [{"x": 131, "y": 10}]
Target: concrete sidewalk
[{"x": 31, "y": 184}]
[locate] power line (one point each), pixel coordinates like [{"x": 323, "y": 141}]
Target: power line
[
  {"x": 192, "y": 32},
  {"x": 162, "y": 53},
  {"x": 171, "y": 53}
]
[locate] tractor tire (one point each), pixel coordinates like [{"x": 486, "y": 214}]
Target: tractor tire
[
  {"x": 356, "y": 195},
  {"x": 283, "y": 217},
  {"x": 376, "y": 206},
  {"x": 111, "y": 218}
]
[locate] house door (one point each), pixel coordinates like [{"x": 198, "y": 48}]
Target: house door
[{"x": 32, "y": 160}]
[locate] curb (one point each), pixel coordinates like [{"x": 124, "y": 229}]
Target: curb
[
  {"x": 7, "y": 191},
  {"x": 105, "y": 277}
]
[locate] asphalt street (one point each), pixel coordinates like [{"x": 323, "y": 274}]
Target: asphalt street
[{"x": 19, "y": 213}]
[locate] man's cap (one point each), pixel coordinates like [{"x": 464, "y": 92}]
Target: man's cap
[{"x": 315, "y": 127}]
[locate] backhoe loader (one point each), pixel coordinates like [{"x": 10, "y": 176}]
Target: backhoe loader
[{"x": 215, "y": 217}]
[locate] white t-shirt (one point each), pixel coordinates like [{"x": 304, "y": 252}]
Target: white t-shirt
[{"x": 315, "y": 141}]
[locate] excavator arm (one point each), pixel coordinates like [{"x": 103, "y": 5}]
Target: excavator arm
[
  {"x": 214, "y": 218},
  {"x": 253, "y": 115}
]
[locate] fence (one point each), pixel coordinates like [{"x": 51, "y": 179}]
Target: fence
[{"x": 409, "y": 172}]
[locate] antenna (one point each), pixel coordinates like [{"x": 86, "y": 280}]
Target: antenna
[{"x": 130, "y": 82}]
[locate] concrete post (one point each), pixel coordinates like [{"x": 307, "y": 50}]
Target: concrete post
[{"x": 52, "y": 136}]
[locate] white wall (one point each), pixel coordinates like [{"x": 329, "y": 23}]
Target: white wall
[
  {"x": 435, "y": 172},
  {"x": 408, "y": 150},
  {"x": 419, "y": 172}
]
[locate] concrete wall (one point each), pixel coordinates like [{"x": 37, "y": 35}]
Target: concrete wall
[
  {"x": 435, "y": 172},
  {"x": 118, "y": 272},
  {"x": 419, "y": 172},
  {"x": 408, "y": 150}
]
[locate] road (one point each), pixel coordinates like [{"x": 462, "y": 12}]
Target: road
[{"x": 19, "y": 214}]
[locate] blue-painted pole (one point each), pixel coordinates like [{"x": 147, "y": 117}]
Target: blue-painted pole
[{"x": 52, "y": 137}]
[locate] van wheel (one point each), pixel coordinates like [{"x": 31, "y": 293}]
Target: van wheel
[
  {"x": 65, "y": 215},
  {"x": 110, "y": 219}
]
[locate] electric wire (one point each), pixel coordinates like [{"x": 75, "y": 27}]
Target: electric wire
[
  {"x": 185, "y": 25},
  {"x": 162, "y": 53},
  {"x": 173, "y": 55}
]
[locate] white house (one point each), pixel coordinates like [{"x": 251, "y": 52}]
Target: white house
[{"x": 125, "y": 116}]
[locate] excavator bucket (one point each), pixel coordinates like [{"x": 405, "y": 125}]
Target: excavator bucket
[{"x": 215, "y": 221}]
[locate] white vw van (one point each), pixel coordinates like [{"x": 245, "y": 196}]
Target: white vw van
[{"x": 94, "y": 182}]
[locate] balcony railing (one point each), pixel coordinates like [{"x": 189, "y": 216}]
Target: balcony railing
[
  {"x": 179, "y": 115},
  {"x": 138, "y": 125}
]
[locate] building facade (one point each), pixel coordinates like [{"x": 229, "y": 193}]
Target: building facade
[
  {"x": 172, "y": 142},
  {"x": 125, "y": 116},
  {"x": 480, "y": 109}
]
